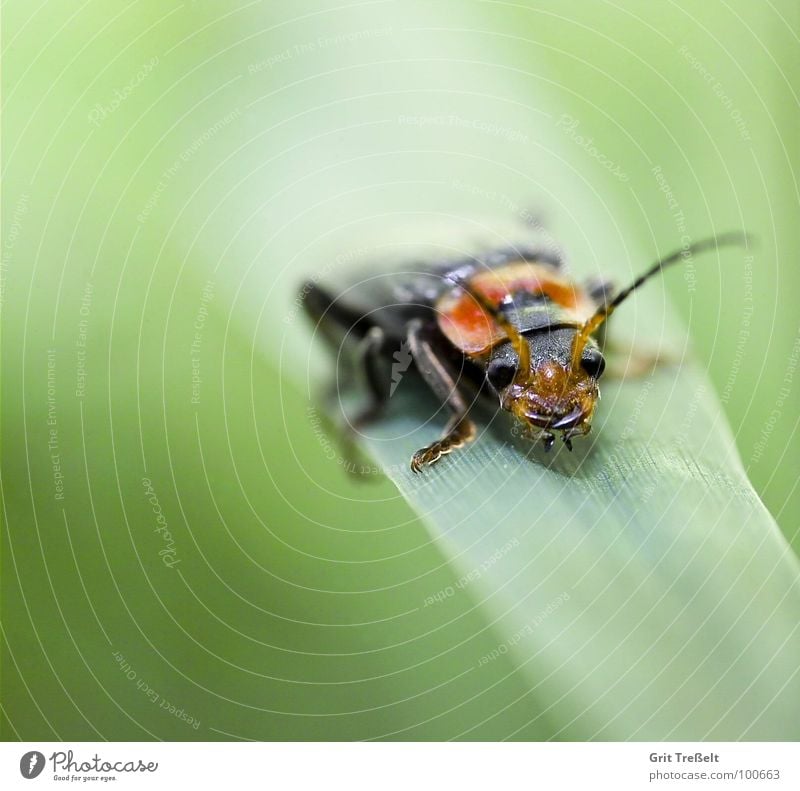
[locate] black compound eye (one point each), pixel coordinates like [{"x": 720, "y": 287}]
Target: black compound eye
[
  {"x": 500, "y": 372},
  {"x": 593, "y": 363}
]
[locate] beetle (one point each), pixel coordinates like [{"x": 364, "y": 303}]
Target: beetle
[{"x": 511, "y": 323}]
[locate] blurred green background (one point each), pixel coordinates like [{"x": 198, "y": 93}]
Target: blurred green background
[{"x": 172, "y": 171}]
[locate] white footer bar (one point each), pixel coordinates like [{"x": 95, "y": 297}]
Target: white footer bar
[{"x": 400, "y": 766}]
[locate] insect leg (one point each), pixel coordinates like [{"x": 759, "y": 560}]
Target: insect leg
[
  {"x": 368, "y": 360},
  {"x": 625, "y": 362},
  {"x": 439, "y": 377},
  {"x": 335, "y": 321}
]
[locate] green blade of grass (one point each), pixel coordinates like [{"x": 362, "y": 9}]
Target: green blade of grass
[
  {"x": 634, "y": 589},
  {"x": 639, "y": 584}
]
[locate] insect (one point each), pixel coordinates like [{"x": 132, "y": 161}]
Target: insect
[{"x": 511, "y": 324}]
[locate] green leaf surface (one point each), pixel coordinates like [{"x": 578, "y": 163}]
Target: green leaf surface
[
  {"x": 172, "y": 173},
  {"x": 639, "y": 583}
]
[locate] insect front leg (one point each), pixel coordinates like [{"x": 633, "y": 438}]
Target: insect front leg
[
  {"x": 627, "y": 362},
  {"x": 426, "y": 344}
]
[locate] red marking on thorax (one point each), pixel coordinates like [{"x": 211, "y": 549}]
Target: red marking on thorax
[{"x": 467, "y": 326}]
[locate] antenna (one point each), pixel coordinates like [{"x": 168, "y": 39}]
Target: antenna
[{"x": 730, "y": 239}]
